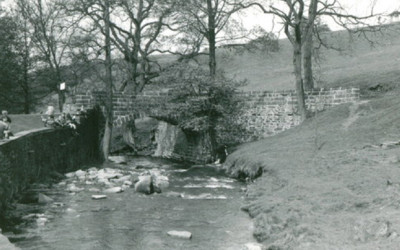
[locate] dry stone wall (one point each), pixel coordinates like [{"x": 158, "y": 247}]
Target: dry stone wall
[
  {"x": 263, "y": 113},
  {"x": 33, "y": 156}
]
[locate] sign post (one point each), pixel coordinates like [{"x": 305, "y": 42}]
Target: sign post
[{"x": 63, "y": 86}]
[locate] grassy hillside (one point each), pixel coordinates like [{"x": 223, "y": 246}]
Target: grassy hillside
[
  {"x": 359, "y": 64},
  {"x": 331, "y": 183}
]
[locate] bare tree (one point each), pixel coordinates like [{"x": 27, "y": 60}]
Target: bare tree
[
  {"x": 209, "y": 20},
  {"x": 109, "y": 84},
  {"x": 52, "y": 30},
  {"x": 135, "y": 27},
  {"x": 299, "y": 19}
]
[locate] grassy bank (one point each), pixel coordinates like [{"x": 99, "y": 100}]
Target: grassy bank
[
  {"x": 25, "y": 122},
  {"x": 331, "y": 183}
]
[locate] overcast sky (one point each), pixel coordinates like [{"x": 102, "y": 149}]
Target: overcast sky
[
  {"x": 255, "y": 17},
  {"x": 357, "y": 7}
]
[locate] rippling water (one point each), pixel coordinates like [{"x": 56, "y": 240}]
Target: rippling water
[{"x": 208, "y": 207}]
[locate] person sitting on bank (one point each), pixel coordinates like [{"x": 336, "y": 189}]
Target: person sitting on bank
[
  {"x": 4, "y": 129},
  {"x": 7, "y": 130},
  {"x": 49, "y": 121},
  {"x": 7, "y": 121},
  {"x": 62, "y": 120},
  {"x": 70, "y": 121},
  {"x": 4, "y": 114}
]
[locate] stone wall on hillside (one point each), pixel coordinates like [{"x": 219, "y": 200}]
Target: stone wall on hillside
[
  {"x": 267, "y": 113},
  {"x": 33, "y": 156},
  {"x": 263, "y": 113}
]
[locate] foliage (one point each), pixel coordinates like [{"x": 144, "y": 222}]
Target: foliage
[
  {"x": 264, "y": 41},
  {"x": 200, "y": 100},
  {"x": 267, "y": 42}
]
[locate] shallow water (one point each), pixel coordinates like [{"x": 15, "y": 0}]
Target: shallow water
[{"x": 208, "y": 207}]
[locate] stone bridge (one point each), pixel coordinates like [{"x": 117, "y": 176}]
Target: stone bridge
[{"x": 264, "y": 113}]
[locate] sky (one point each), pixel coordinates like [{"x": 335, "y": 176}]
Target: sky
[
  {"x": 357, "y": 7},
  {"x": 254, "y": 17}
]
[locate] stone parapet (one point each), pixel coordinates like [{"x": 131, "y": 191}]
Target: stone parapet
[{"x": 264, "y": 113}]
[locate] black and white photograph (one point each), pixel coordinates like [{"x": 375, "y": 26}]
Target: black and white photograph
[{"x": 199, "y": 124}]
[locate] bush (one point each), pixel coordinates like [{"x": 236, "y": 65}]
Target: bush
[{"x": 201, "y": 103}]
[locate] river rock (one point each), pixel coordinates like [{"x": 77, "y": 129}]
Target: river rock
[
  {"x": 70, "y": 175},
  {"x": 95, "y": 190},
  {"x": 127, "y": 184},
  {"x": 44, "y": 199},
  {"x": 5, "y": 244},
  {"x": 145, "y": 185},
  {"x": 174, "y": 194},
  {"x": 180, "y": 234},
  {"x": 122, "y": 179},
  {"x": 41, "y": 221},
  {"x": 80, "y": 173},
  {"x": 99, "y": 196},
  {"x": 119, "y": 159},
  {"x": 72, "y": 188},
  {"x": 108, "y": 173},
  {"x": 252, "y": 246},
  {"x": 161, "y": 182},
  {"x": 205, "y": 196},
  {"x": 113, "y": 190}
]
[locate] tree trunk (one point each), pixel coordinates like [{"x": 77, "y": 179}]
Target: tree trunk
[
  {"x": 213, "y": 138},
  {"x": 299, "y": 81},
  {"x": 25, "y": 87},
  {"x": 212, "y": 62},
  {"x": 26, "y": 63},
  {"x": 307, "y": 63},
  {"x": 109, "y": 99},
  {"x": 60, "y": 94},
  {"x": 308, "y": 46},
  {"x": 26, "y": 102}
]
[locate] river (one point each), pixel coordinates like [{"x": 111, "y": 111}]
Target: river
[{"x": 199, "y": 199}]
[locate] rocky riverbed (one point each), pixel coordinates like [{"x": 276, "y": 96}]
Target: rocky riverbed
[{"x": 137, "y": 203}]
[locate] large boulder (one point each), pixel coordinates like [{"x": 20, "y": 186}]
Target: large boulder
[
  {"x": 145, "y": 185},
  {"x": 160, "y": 182}
]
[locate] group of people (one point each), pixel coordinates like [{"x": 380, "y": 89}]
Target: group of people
[
  {"x": 64, "y": 120},
  {"x": 5, "y": 125}
]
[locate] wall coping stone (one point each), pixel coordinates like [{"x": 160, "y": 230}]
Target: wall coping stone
[{"x": 25, "y": 133}]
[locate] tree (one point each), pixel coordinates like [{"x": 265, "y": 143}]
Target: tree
[
  {"x": 299, "y": 19},
  {"x": 210, "y": 20},
  {"x": 52, "y": 29},
  {"x": 9, "y": 65},
  {"x": 17, "y": 79},
  {"x": 24, "y": 50},
  {"x": 128, "y": 27},
  {"x": 109, "y": 84},
  {"x": 135, "y": 27},
  {"x": 201, "y": 102}
]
